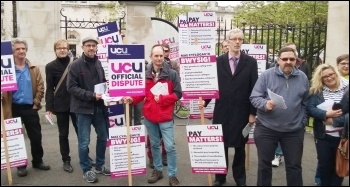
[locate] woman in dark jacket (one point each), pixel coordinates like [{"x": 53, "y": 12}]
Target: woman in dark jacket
[{"x": 327, "y": 86}]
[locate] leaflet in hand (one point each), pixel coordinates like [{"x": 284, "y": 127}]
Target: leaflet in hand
[
  {"x": 49, "y": 119},
  {"x": 277, "y": 99},
  {"x": 160, "y": 89},
  {"x": 101, "y": 88},
  {"x": 246, "y": 130},
  {"x": 326, "y": 105}
]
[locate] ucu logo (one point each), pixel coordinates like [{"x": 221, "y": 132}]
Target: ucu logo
[
  {"x": 258, "y": 46},
  {"x": 208, "y": 14},
  {"x": 119, "y": 50},
  {"x": 205, "y": 46},
  {"x": 103, "y": 29},
  {"x": 167, "y": 41},
  {"x": 212, "y": 127},
  {"x": 126, "y": 67},
  {"x": 135, "y": 128},
  {"x": 11, "y": 121}
]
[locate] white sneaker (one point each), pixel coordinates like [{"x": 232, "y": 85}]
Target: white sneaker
[{"x": 277, "y": 161}]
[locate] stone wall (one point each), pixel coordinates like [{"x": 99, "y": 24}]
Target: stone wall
[{"x": 337, "y": 30}]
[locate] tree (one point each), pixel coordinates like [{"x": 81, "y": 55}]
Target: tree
[
  {"x": 170, "y": 13},
  {"x": 306, "y": 20},
  {"x": 116, "y": 11}
]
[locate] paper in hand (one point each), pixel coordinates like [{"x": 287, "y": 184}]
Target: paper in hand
[
  {"x": 246, "y": 130},
  {"x": 277, "y": 99},
  {"x": 49, "y": 119}
]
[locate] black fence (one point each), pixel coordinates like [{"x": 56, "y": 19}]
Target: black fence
[{"x": 309, "y": 39}]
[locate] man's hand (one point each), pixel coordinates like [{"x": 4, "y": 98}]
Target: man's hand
[
  {"x": 270, "y": 105},
  {"x": 128, "y": 99},
  {"x": 252, "y": 119},
  {"x": 98, "y": 96},
  {"x": 156, "y": 98},
  {"x": 49, "y": 113},
  {"x": 201, "y": 105}
]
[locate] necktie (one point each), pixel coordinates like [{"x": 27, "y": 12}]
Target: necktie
[{"x": 233, "y": 64}]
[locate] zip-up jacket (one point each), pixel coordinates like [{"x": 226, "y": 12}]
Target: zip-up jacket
[
  {"x": 80, "y": 86},
  {"x": 162, "y": 111},
  {"x": 294, "y": 90}
]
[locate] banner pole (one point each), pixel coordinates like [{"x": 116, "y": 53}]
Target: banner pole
[
  {"x": 3, "y": 130},
  {"x": 127, "y": 112},
  {"x": 210, "y": 180}
]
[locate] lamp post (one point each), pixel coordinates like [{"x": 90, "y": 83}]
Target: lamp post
[{"x": 243, "y": 22}]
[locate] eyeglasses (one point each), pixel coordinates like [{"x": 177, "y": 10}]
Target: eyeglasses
[
  {"x": 236, "y": 39},
  {"x": 61, "y": 48},
  {"x": 89, "y": 46},
  {"x": 166, "y": 50},
  {"x": 344, "y": 63},
  {"x": 328, "y": 76},
  {"x": 286, "y": 59}
]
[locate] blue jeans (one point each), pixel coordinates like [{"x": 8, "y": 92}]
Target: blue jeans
[
  {"x": 167, "y": 131},
  {"x": 278, "y": 150},
  {"x": 84, "y": 122},
  {"x": 318, "y": 175}
]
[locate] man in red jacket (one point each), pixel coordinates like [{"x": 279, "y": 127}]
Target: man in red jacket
[{"x": 158, "y": 113}]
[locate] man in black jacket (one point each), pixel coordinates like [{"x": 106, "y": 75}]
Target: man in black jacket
[{"x": 83, "y": 75}]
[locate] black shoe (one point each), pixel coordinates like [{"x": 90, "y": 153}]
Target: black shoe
[
  {"x": 219, "y": 183},
  {"x": 22, "y": 172},
  {"x": 41, "y": 166},
  {"x": 67, "y": 167},
  {"x": 93, "y": 163}
]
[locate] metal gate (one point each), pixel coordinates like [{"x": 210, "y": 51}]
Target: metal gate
[{"x": 309, "y": 39}]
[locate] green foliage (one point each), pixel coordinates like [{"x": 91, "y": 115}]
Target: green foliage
[
  {"x": 170, "y": 13},
  {"x": 280, "y": 20},
  {"x": 114, "y": 9}
]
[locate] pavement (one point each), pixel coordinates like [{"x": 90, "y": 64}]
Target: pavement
[{"x": 57, "y": 177}]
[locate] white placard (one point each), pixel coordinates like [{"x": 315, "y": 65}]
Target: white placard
[
  {"x": 15, "y": 144},
  {"x": 206, "y": 147},
  {"x": 118, "y": 151}
]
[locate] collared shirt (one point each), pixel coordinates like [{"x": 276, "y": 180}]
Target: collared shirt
[
  {"x": 24, "y": 94},
  {"x": 230, "y": 58}
]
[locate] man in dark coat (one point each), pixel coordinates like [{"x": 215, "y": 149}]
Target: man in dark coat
[{"x": 237, "y": 74}]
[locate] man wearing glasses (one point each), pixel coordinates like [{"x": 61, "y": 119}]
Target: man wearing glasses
[
  {"x": 237, "y": 74},
  {"x": 278, "y": 123},
  {"x": 343, "y": 65},
  {"x": 84, "y": 74}
]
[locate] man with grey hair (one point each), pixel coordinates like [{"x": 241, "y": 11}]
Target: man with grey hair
[
  {"x": 237, "y": 74},
  {"x": 25, "y": 102}
]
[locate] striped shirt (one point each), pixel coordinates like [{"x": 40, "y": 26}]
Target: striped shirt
[{"x": 335, "y": 96}]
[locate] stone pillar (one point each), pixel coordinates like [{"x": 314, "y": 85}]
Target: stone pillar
[
  {"x": 337, "y": 30},
  {"x": 138, "y": 23},
  {"x": 38, "y": 22},
  {"x": 7, "y": 32}
]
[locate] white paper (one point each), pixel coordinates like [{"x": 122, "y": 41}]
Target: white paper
[
  {"x": 277, "y": 99},
  {"x": 101, "y": 88},
  {"x": 326, "y": 105},
  {"x": 160, "y": 89},
  {"x": 246, "y": 130},
  {"x": 49, "y": 119}
]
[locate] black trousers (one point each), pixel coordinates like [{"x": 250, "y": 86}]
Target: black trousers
[
  {"x": 238, "y": 166},
  {"x": 30, "y": 118},
  {"x": 63, "y": 130}
]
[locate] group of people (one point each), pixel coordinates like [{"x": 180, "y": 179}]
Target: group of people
[
  {"x": 280, "y": 132},
  {"x": 244, "y": 99}
]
